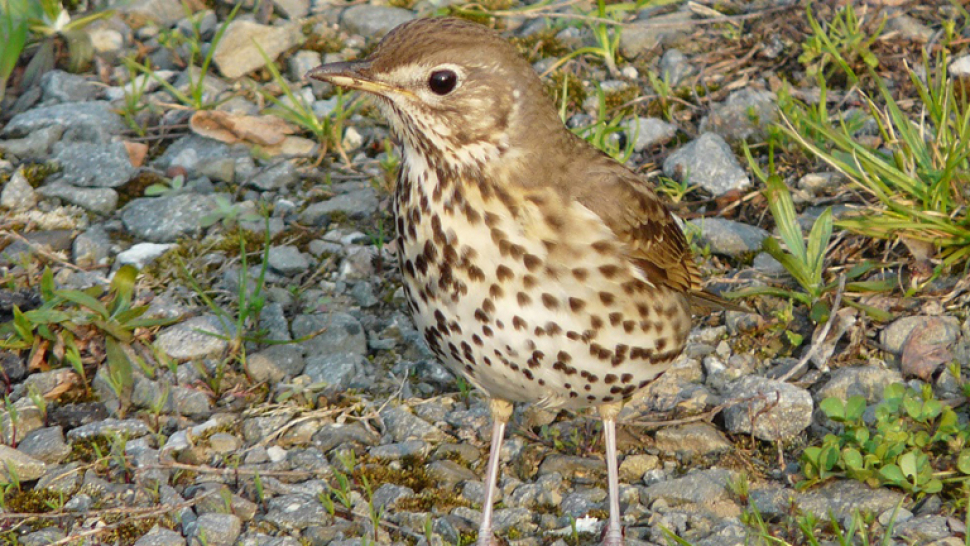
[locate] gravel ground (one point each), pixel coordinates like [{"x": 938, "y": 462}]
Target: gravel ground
[{"x": 351, "y": 433}]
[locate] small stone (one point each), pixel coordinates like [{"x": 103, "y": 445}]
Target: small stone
[
  {"x": 693, "y": 439},
  {"x": 342, "y": 370},
  {"x": 302, "y": 62},
  {"x": 90, "y": 164},
  {"x": 730, "y": 238},
  {"x": 775, "y": 410},
  {"x": 704, "y": 487},
  {"x": 709, "y": 163},
  {"x": 17, "y": 193},
  {"x": 26, "y": 467},
  {"x": 674, "y": 67},
  {"x": 142, "y": 254},
  {"x": 60, "y": 86},
  {"x": 218, "y": 530},
  {"x": 187, "y": 340},
  {"x": 634, "y": 467},
  {"x": 164, "y": 219},
  {"x": 275, "y": 363},
  {"x": 649, "y": 132},
  {"x": 45, "y": 444},
  {"x": 336, "y": 333},
  {"x": 743, "y": 115},
  {"x": 99, "y": 200},
  {"x": 287, "y": 260},
  {"x": 403, "y": 425},
  {"x": 93, "y": 121},
  {"x": 373, "y": 21},
  {"x": 236, "y": 54},
  {"x": 293, "y": 9},
  {"x": 281, "y": 175},
  {"x": 160, "y": 536},
  {"x": 644, "y": 36},
  {"x": 355, "y": 205}
]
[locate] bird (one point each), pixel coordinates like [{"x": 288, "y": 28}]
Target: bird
[{"x": 535, "y": 265}]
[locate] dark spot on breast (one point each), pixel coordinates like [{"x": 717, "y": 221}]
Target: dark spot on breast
[
  {"x": 607, "y": 298},
  {"x": 552, "y": 328},
  {"x": 477, "y": 340},
  {"x": 576, "y": 305},
  {"x": 495, "y": 291},
  {"x": 610, "y": 379},
  {"x": 487, "y": 331},
  {"x": 626, "y": 378},
  {"x": 550, "y": 301},
  {"x": 615, "y": 318},
  {"x": 488, "y": 306},
  {"x": 628, "y": 326},
  {"x": 609, "y": 271},
  {"x": 519, "y": 323},
  {"x": 580, "y": 273},
  {"x": 603, "y": 247},
  {"x": 531, "y": 261},
  {"x": 475, "y": 274},
  {"x": 481, "y": 316},
  {"x": 529, "y": 281},
  {"x": 504, "y": 273},
  {"x": 596, "y": 321},
  {"x": 523, "y": 299}
]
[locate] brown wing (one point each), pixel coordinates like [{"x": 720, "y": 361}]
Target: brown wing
[{"x": 654, "y": 241}]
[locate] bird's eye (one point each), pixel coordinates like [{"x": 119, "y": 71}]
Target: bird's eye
[{"x": 443, "y": 82}]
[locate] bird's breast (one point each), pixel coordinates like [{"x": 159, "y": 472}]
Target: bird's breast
[{"x": 527, "y": 296}]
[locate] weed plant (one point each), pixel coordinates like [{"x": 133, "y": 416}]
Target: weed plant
[{"x": 917, "y": 178}]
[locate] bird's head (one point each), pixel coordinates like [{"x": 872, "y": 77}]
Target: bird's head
[{"x": 450, "y": 88}]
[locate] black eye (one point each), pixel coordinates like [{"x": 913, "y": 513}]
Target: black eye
[{"x": 443, "y": 82}]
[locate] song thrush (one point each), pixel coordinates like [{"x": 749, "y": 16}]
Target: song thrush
[{"x": 536, "y": 266}]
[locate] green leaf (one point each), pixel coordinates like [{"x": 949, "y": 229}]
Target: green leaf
[
  {"x": 123, "y": 288},
  {"x": 963, "y": 461},
  {"x": 84, "y": 300},
  {"x": 783, "y": 210},
  {"x": 893, "y": 475},
  {"x": 818, "y": 241},
  {"x": 47, "y": 285},
  {"x": 852, "y": 458},
  {"x": 907, "y": 464},
  {"x": 833, "y": 408},
  {"x": 855, "y": 407},
  {"x": 119, "y": 367}
]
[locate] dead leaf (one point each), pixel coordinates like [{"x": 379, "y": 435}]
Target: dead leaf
[
  {"x": 922, "y": 352},
  {"x": 137, "y": 151},
  {"x": 66, "y": 381},
  {"x": 231, "y": 128}
]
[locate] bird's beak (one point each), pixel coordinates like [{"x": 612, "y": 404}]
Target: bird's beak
[{"x": 352, "y": 75}]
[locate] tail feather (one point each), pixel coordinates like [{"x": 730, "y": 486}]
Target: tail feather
[{"x": 706, "y": 300}]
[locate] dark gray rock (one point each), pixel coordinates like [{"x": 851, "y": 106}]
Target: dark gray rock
[
  {"x": 165, "y": 219},
  {"x": 35, "y": 145},
  {"x": 132, "y": 428},
  {"x": 18, "y": 194},
  {"x": 99, "y": 200},
  {"x": 217, "y": 530},
  {"x": 93, "y": 164},
  {"x": 296, "y": 512},
  {"x": 281, "y": 175},
  {"x": 354, "y": 205},
  {"x": 729, "y": 238},
  {"x": 336, "y": 333},
  {"x": 343, "y": 370},
  {"x": 867, "y": 381},
  {"x": 60, "y": 86},
  {"x": 644, "y": 36},
  {"x": 698, "y": 487},
  {"x": 94, "y": 121},
  {"x": 373, "y": 21},
  {"x": 287, "y": 260},
  {"x": 693, "y": 439},
  {"x": 709, "y": 163},
  {"x": 745, "y": 114},
  {"x": 189, "y": 340},
  {"x": 775, "y": 410},
  {"x": 404, "y": 425},
  {"x": 649, "y": 132},
  {"x": 46, "y": 444},
  {"x": 160, "y": 536},
  {"x": 275, "y": 363}
]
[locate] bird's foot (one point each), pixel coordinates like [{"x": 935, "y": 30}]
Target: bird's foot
[
  {"x": 489, "y": 540},
  {"x": 613, "y": 536}
]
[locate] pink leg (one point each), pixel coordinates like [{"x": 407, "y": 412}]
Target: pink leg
[
  {"x": 501, "y": 411},
  {"x": 614, "y": 531}
]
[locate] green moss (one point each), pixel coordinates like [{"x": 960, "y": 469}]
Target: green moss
[
  {"x": 32, "y": 501},
  {"x": 87, "y": 450},
  {"x": 540, "y": 45},
  {"x": 575, "y": 93}
]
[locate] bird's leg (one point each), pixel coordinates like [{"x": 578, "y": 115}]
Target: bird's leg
[
  {"x": 614, "y": 531},
  {"x": 501, "y": 411}
]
